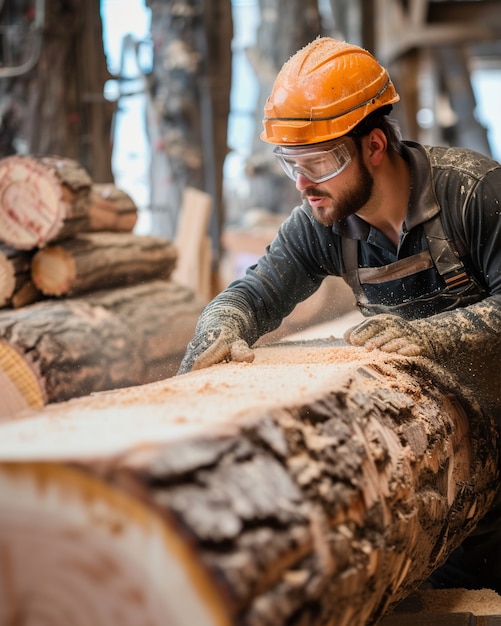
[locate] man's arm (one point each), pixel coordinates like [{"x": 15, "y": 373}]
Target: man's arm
[
  {"x": 467, "y": 340},
  {"x": 291, "y": 269}
]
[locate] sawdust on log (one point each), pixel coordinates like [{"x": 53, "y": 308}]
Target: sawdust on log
[
  {"x": 478, "y": 602},
  {"x": 217, "y": 397}
]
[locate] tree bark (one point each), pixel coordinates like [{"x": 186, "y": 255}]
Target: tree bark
[
  {"x": 16, "y": 286},
  {"x": 42, "y": 200},
  {"x": 318, "y": 485},
  {"x": 111, "y": 209},
  {"x": 190, "y": 101},
  {"x": 105, "y": 340},
  {"x": 92, "y": 261},
  {"x": 285, "y": 27}
]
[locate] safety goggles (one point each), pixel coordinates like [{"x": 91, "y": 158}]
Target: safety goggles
[{"x": 315, "y": 163}]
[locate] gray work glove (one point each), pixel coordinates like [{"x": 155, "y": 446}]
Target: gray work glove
[
  {"x": 465, "y": 341},
  {"x": 391, "y": 333},
  {"x": 219, "y": 336}
]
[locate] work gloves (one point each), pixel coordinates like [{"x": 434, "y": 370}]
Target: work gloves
[
  {"x": 391, "y": 333},
  {"x": 465, "y": 341},
  {"x": 219, "y": 336}
]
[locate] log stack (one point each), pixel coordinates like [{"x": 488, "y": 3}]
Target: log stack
[
  {"x": 85, "y": 304},
  {"x": 318, "y": 485}
]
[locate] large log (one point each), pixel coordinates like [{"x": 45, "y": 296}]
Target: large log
[
  {"x": 105, "y": 340},
  {"x": 42, "y": 199},
  {"x": 317, "y": 486},
  {"x": 91, "y": 261}
]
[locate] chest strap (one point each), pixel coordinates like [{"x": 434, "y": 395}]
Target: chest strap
[{"x": 441, "y": 253}]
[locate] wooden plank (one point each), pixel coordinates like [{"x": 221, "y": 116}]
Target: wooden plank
[{"x": 193, "y": 267}]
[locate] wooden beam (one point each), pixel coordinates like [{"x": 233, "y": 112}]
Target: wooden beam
[{"x": 193, "y": 268}]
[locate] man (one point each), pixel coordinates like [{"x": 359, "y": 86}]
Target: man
[{"x": 414, "y": 230}]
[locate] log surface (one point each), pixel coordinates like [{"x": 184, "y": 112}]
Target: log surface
[
  {"x": 93, "y": 261},
  {"x": 318, "y": 485},
  {"x": 16, "y": 286},
  {"x": 111, "y": 209}
]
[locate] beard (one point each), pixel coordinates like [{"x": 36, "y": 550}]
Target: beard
[{"x": 348, "y": 201}]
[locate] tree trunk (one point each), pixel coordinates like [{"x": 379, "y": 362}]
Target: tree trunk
[
  {"x": 190, "y": 101},
  {"x": 285, "y": 27},
  {"x": 105, "y": 340},
  {"x": 42, "y": 200},
  {"x": 92, "y": 261},
  {"x": 318, "y": 485},
  {"x": 58, "y": 106}
]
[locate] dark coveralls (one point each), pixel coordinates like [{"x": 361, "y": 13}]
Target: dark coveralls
[{"x": 448, "y": 257}]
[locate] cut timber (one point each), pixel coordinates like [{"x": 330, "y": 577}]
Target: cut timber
[
  {"x": 90, "y": 261},
  {"x": 16, "y": 286},
  {"x": 111, "y": 209},
  {"x": 108, "y": 339},
  {"x": 193, "y": 268},
  {"x": 20, "y": 383},
  {"x": 41, "y": 200},
  {"x": 318, "y": 485}
]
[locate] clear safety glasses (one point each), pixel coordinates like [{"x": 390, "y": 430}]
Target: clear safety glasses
[{"x": 315, "y": 163}]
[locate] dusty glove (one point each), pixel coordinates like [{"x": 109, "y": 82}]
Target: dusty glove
[
  {"x": 465, "y": 341},
  {"x": 391, "y": 333},
  {"x": 218, "y": 337}
]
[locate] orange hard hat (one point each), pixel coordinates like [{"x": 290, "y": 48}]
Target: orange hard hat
[{"x": 323, "y": 92}]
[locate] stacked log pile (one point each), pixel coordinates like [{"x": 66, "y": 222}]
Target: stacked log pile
[
  {"x": 85, "y": 304},
  {"x": 318, "y": 485}
]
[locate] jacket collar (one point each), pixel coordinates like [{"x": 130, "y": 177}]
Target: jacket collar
[{"x": 423, "y": 203}]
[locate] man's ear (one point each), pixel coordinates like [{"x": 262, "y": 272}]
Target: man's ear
[{"x": 377, "y": 145}]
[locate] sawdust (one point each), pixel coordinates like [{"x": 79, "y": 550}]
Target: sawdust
[{"x": 477, "y": 602}]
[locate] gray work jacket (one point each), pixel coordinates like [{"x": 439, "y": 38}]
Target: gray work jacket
[{"x": 456, "y": 190}]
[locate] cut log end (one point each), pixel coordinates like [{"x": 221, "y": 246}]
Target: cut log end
[
  {"x": 31, "y": 209},
  {"x": 53, "y": 270},
  {"x": 20, "y": 385},
  {"x": 7, "y": 280},
  {"x": 102, "y": 557}
]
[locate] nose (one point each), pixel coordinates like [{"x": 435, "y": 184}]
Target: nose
[{"x": 302, "y": 182}]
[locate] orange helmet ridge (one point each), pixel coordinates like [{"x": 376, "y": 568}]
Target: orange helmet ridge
[{"x": 323, "y": 92}]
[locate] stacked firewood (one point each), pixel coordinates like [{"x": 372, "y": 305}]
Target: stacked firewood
[{"x": 85, "y": 304}]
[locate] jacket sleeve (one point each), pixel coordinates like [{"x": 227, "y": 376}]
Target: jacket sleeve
[
  {"x": 291, "y": 269},
  {"x": 473, "y": 220},
  {"x": 467, "y": 341}
]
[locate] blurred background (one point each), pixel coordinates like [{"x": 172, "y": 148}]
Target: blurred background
[
  {"x": 475, "y": 55},
  {"x": 160, "y": 95}
]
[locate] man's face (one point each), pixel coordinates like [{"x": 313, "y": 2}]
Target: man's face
[{"x": 344, "y": 183}]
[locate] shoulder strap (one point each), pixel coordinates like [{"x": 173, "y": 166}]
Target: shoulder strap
[
  {"x": 445, "y": 255},
  {"x": 441, "y": 253}
]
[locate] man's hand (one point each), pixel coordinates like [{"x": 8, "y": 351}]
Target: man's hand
[
  {"x": 213, "y": 346},
  {"x": 218, "y": 337},
  {"x": 390, "y": 333}
]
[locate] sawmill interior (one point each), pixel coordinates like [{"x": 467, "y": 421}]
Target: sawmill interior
[{"x": 164, "y": 464}]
